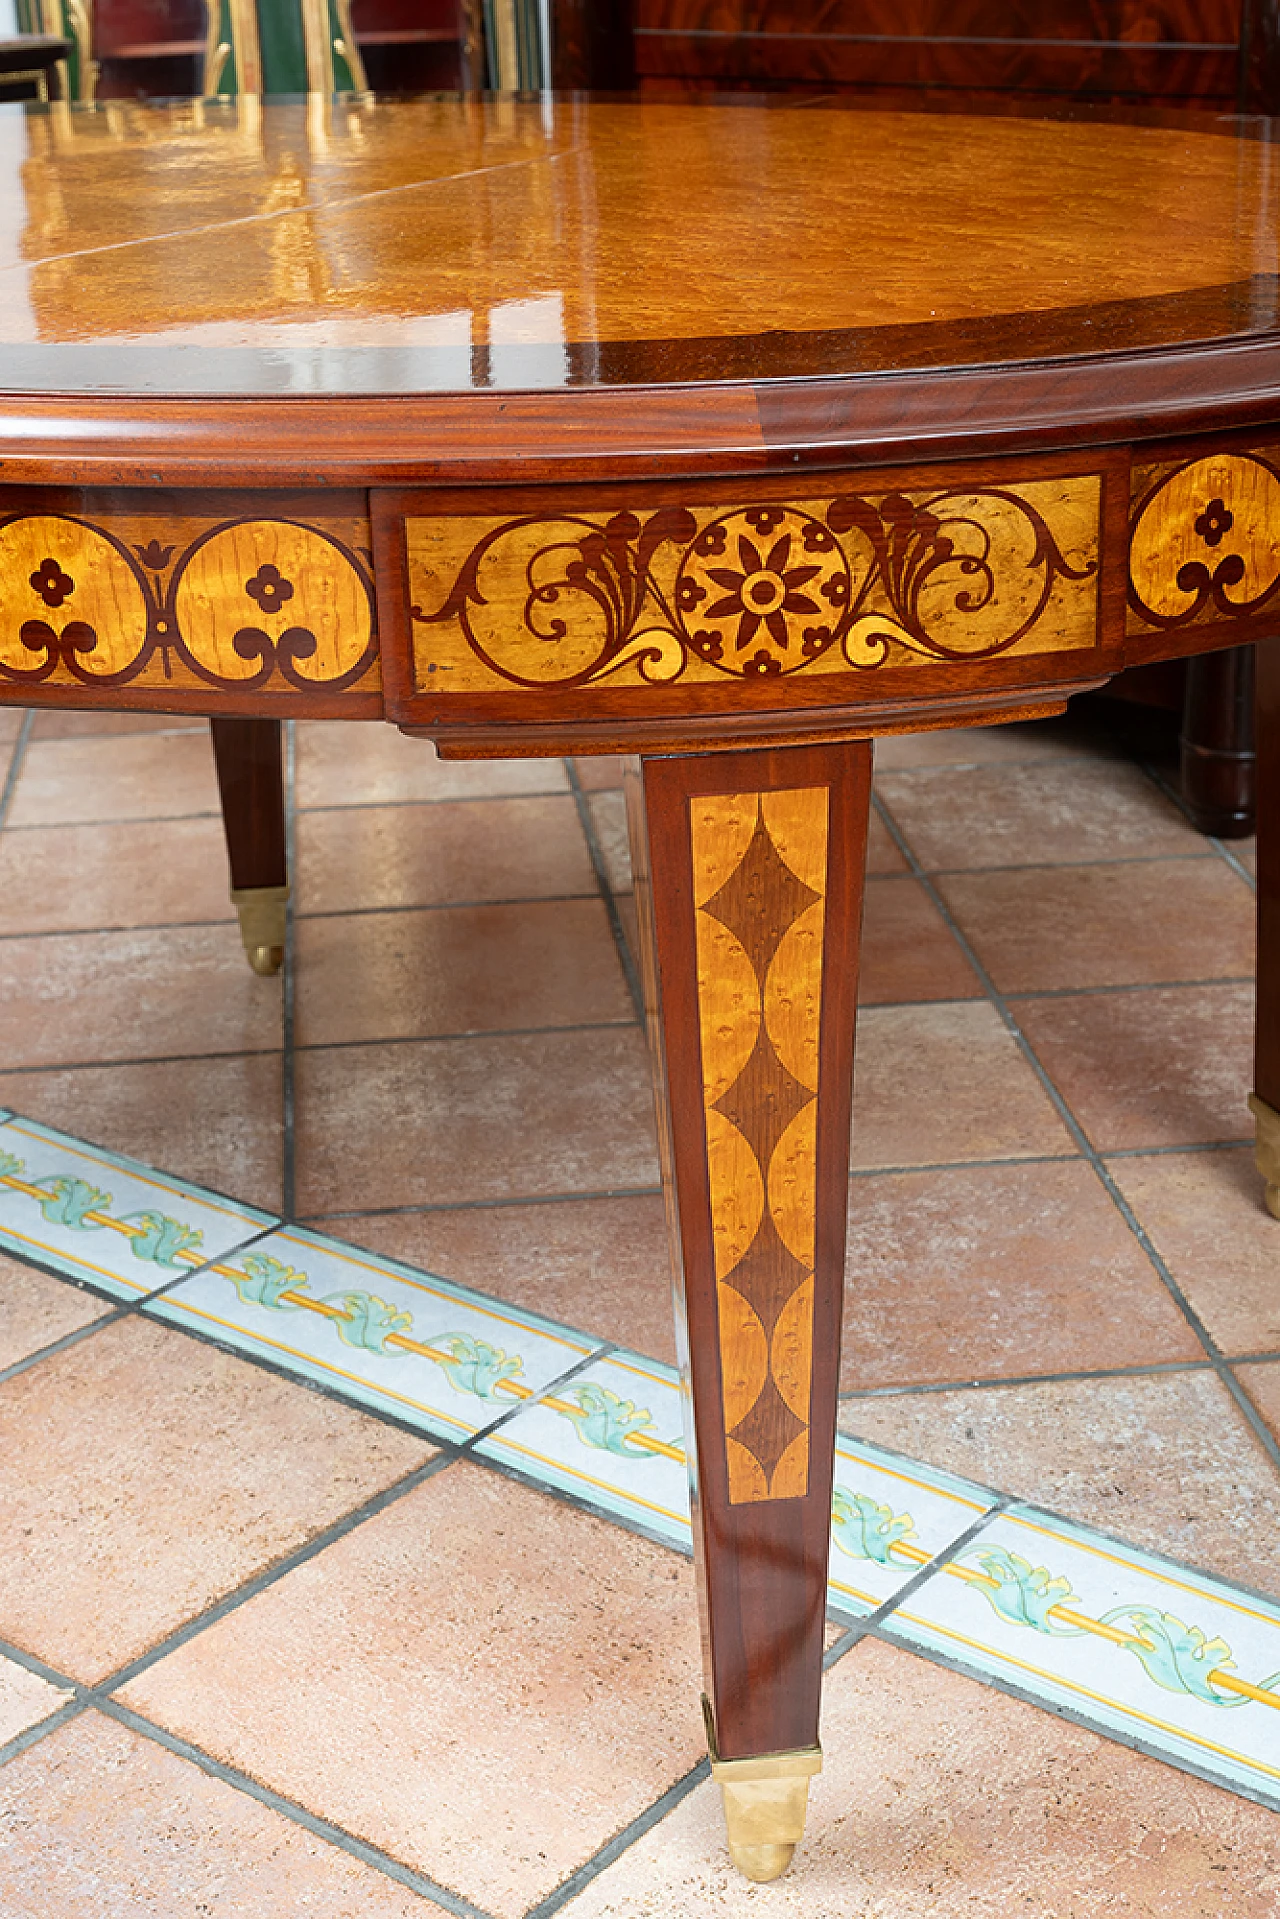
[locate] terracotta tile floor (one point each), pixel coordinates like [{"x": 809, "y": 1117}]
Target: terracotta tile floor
[{"x": 264, "y": 1652}]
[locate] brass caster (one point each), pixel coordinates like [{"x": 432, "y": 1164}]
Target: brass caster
[
  {"x": 765, "y": 1801},
  {"x": 1267, "y": 1150},
  {"x": 261, "y": 911}
]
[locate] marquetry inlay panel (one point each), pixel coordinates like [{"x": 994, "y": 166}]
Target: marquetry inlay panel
[
  {"x": 1205, "y": 540},
  {"x": 718, "y": 594},
  {"x": 175, "y": 602},
  {"x": 760, "y": 882}
]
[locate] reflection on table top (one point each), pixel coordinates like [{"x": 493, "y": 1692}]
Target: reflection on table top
[{"x": 448, "y": 243}]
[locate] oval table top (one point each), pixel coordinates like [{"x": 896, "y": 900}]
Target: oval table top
[{"x": 800, "y": 272}]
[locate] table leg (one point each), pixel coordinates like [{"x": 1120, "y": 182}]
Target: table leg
[
  {"x": 251, "y": 782},
  {"x": 749, "y": 882},
  {"x": 1265, "y": 1100},
  {"x": 1217, "y": 743}
]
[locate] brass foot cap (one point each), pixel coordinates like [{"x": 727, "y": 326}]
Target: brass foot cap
[
  {"x": 761, "y": 1863},
  {"x": 1267, "y": 1150},
  {"x": 261, "y": 912}
]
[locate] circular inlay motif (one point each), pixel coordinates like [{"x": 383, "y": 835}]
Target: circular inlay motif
[
  {"x": 762, "y": 590},
  {"x": 267, "y": 593},
  {"x": 68, "y": 598}
]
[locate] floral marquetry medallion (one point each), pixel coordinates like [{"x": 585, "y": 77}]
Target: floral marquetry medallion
[
  {"x": 760, "y": 881},
  {"x": 711, "y": 594},
  {"x": 1205, "y": 541},
  {"x": 186, "y": 603}
]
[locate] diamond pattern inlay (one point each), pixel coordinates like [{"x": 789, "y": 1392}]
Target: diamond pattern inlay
[{"x": 761, "y": 1172}]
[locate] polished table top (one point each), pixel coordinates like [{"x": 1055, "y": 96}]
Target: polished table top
[{"x": 448, "y": 244}]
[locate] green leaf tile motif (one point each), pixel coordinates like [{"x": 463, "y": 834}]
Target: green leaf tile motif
[
  {"x": 1024, "y": 1594},
  {"x": 67, "y": 1200},
  {"x": 605, "y": 1420},
  {"x": 864, "y": 1529}
]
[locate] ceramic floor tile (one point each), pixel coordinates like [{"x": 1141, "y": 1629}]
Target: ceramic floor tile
[
  {"x": 962, "y": 817},
  {"x": 444, "y": 1359},
  {"x": 1246, "y": 851},
  {"x": 934, "y": 1084},
  {"x": 599, "y": 771},
  {"x": 10, "y": 724},
  {"x": 614, "y": 1438},
  {"x": 215, "y": 1121},
  {"x": 883, "y": 855},
  {"x": 56, "y": 879},
  {"x": 74, "y": 998},
  {"x": 436, "y": 1122},
  {"x": 940, "y": 1798},
  {"x": 1204, "y": 1212},
  {"x": 609, "y": 818},
  {"x": 100, "y": 1823},
  {"x": 366, "y": 762},
  {"x": 135, "y": 776},
  {"x": 105, "y": 1219},
  {"x": 57, "y": 723},
  {"x": 1135, "y": 1645},
  {"x": 1152, "y": 1067},
  {"x": 1164, "y": 1460},
  {"x": 1020, "y": 741},
  {"x": 908, "y": 952},
  {"x": 1262, "y": 1383},
  {"x": 144, "y": 1475},
  {"x": 517, "y": 1681},
  {"x": 601, "y": 1265},
  {"x": 36, "y": 1310},
  {"x": 457, "y": 969},
  {"x": 1045, "y": 928},
  {"x": 362, "y": 857},
  {"x": 995, "y": 1272},
  {"x": 889, "y": 1518},
  {"x": 25, "y": 1699}
]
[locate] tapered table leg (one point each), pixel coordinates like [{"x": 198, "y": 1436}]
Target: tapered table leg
[
  {"x": 1266, "y": 1096},
  {"x": 251, "y": 782},
  {"x": 749, "y": 880},
  {"x": 1218, "y": 759}
]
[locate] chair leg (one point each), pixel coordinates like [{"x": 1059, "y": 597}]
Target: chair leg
[
  {"x": 1217, "y": 745},
  {"x": 1265, "y": 1100},
  {"x": 749, "y": 881},
  {"x": 251, "y": 782}
]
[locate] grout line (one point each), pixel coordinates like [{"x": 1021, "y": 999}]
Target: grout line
[
  {"x": 1027, "y": 1379},
  {"x": 1236, "y": 865},
  {"x": 1129, "y": 986},
  {"x": 1262, "y": 1433},
  {"x": 1060, "y": 866},
  {"x": 32, "y": 1662},
  {"x": 468, "y": 1446},
  {"x": 271, "y": 1575},
  {"x": 17, "y": 754},
  {"x": 288, "y": 1007},
  {"x": 369, "y": 1855},
  {"x": 599, "y": 867},
  {"x": 32, "y": 1735},
  {"x": 467, "y": 1033},
  {"x": 621, "y": 1842},
  {"x": 445, "y": 906},
  {"x": 133, "y": 1059},
  {"x": 56, "y": 1346},
  {"x": 480, "y": 1205},
  {"x": 860, "y": 1628}
]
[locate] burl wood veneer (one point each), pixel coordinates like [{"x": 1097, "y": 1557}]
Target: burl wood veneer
[{"x": 730, "y": 436}]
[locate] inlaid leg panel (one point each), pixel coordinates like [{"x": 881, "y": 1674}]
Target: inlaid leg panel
[
  {"x": 1266, "y": 1097},
  {"x": 749, "y": 877}
]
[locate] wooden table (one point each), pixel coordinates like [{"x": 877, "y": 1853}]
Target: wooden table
[{"x": 729, "y": 436}]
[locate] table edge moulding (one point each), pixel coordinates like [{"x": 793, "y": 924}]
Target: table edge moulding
[{"x": 740, "y": 581}]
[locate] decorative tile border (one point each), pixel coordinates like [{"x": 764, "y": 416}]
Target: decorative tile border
[
  {"x": 96, "y": 1216},
  {"x": 446, "y": 1360},
  {"x": 890, "y": 1516},
  {"x": 1128, "y": 1643},
  {"x": 614, "y": 1439},
  {"x": 1133, "y": 1645}
]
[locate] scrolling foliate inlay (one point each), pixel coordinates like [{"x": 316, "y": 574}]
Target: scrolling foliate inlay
[
  {"x": 714, "y": 593},
  {"x": 238, "y": 606},
  {"x": 1204, "y": 544},
  {"x": 760, "y": 882}
]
